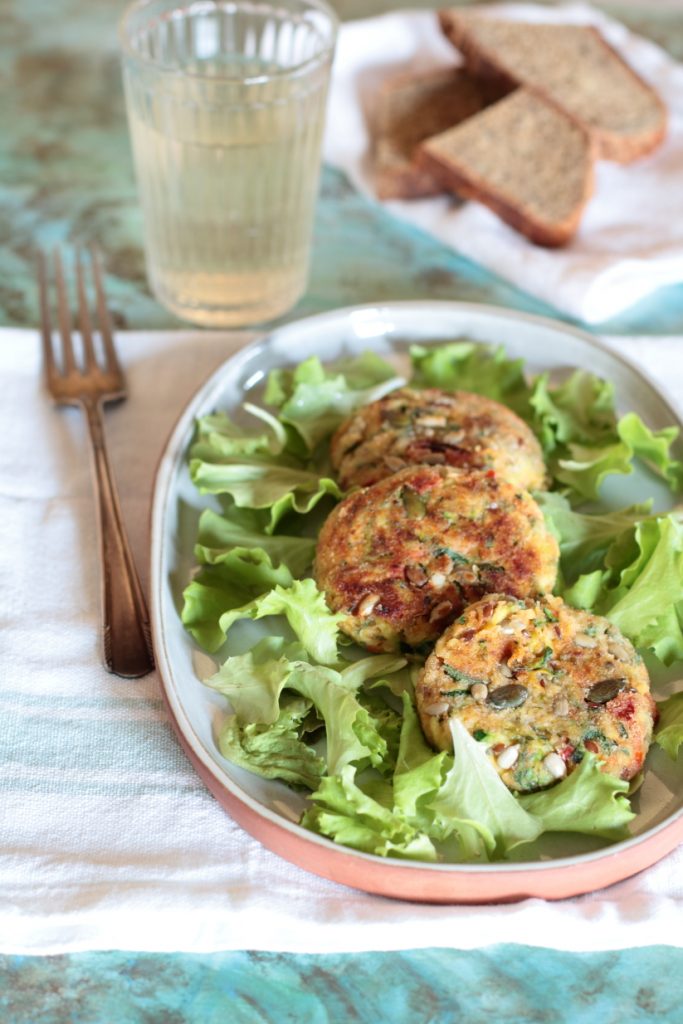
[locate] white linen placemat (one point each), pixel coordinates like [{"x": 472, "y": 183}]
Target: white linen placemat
[
  {"x": 108, "y": 840},
  {"x": 630, "y": 241}
]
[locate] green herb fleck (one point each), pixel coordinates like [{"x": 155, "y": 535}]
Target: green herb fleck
[
  {"x": 606, "y": 745},
  {"x": 454, "y": 556},
  {"x": 543, "y": 660},
  {"x": 490, "y": 567},
  {"x": 462, "y": 677}
]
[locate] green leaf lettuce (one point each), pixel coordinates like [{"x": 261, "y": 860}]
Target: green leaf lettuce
[
  {"x": 315, "y": 400},
  {"x": 669, "y": 729}
]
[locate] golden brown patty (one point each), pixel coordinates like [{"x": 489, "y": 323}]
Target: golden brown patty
[
  {"x": 403, "y": 557},
  {"x": 433, "y": 427},
  {"x": 539, "y": 683}
]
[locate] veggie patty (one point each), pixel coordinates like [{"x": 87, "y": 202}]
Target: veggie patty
[
  {"x": 403, "y": 557},
  {"x": 539, "y": 683},
  {"x": 431, "y": 427}
]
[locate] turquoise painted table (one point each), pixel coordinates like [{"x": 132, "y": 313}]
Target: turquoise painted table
[{"x": 66, "y": 176}]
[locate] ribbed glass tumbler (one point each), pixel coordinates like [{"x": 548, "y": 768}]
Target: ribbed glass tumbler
[{"x": 226, "y": 106}]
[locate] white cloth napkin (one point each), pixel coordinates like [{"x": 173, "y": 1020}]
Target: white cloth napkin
[
  {"x": 631, "y": 238},
  {"x": 108, "y": 840}
]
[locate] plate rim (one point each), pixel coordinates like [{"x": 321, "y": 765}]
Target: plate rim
[{"x": 208, "y": 768}]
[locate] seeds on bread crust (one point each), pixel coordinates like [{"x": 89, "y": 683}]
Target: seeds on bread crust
[
  {"x": 548, "y": 694},
  {"x": 434, "y": 427},
  {"x": 402, "y": 558}
]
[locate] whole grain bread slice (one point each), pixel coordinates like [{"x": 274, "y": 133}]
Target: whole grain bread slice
[
  {"x": 410, "y": 108},
  {"x": 573, "y": 67},
  {"x": 523, "y": 158}
]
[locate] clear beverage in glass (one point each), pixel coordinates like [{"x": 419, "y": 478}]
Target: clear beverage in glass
[{"x": 226, "y": 107}]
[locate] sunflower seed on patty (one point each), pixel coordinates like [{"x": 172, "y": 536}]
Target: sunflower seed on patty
[
  {"x": 453, "y": 437},
  {"x": 554, "y": 764},
  {"x": 367, "y": 604},
  {"x": 427, "y": 420},
  {"x": 561, "y": 707},
  {"x": 436, "y": 709},
  {"x": 508, "y": 757},
  {"x": 441, "y": 610},
  {"x": 416, "y": 575}
]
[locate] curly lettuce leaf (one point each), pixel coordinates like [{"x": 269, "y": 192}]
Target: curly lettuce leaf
[
  {"x": 669, "y": 729},
  {"x": 584, "y": 441},
  {"x": 350, "y": 816},
  {"x": 257, "y": 683},
  {"x": 396, "y": 824},
  {"x": 219, "y": 536},
  {"x": 653, "y": 448},
  {"x": 588, "y": 801},
  {"x": 254, "y": 681},
  {"x": 355, "y": 673},
  {"x": 388, "y": 722},
  {"x": 641, "y": 588},
  {"x": 626, "y": 565},
  {"x": 470, "y": 366},
  {"x": 359, "y": 372},
  {"x": 476, "y": 804},
  {"x": 352, "y": 735},
  {"x": 585, "y": 538},
  {"x": 218, "y": 437},
  {"x": 578, "y": 411},
  {"x": 419, "y": 772},
  {"x": 242, "y": 575},
  {"x": 584, "y": 468},
  {"x": 304, "y": 607},
  {"x": 274, "y": 751},
  {"x": 314, "y": 400},
  {"x": 262, "y": 482}
]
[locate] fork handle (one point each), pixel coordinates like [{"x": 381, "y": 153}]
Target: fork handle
[{"x": 126, "y": 632}]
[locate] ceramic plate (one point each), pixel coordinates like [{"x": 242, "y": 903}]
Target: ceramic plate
[{"x": 558, "y": 866}]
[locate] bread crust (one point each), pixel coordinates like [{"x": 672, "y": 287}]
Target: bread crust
[
  {"x": 550, "y": 236},
  {"x": 456, "y": 178},
  {"x": 608, "y": 145},
  {"x": 397, "y": 177},
  {"x": 408, "y": 108}
]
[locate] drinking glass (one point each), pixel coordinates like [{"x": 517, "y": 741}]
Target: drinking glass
[{"x": 226, "y": 106}]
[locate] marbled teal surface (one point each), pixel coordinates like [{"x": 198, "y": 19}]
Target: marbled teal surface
[{"x": 513, "y": 984}]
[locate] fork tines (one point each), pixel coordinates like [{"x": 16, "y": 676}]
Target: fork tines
[{"x": 69, "y": 364}]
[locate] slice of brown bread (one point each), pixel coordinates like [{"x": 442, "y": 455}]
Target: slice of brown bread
[
  {"x": 410, "y": 108},
  {"x": 522, "y": 157},
  {"x": 573, "y": 67}
]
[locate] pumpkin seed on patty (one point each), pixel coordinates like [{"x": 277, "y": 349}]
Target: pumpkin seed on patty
[
  {"x": 512, "y": 695},
  {"x": 413, "y": 503},
  {"x": 605, "y": 690}
]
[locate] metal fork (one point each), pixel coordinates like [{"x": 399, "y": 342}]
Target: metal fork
[{"x": 126, "y": 631}]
